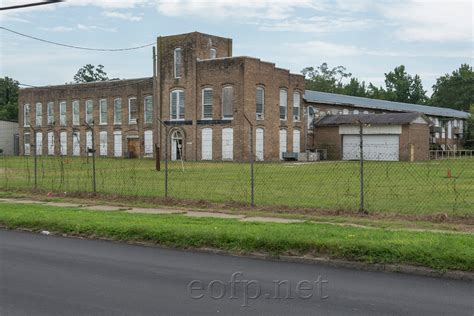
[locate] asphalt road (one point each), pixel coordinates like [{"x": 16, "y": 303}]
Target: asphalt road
[{"x": 46, "y": 275}]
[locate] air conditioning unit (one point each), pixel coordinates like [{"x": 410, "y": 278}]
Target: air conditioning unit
[{"x": 259, "y": 116}]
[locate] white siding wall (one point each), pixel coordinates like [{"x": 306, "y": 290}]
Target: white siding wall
[
  {"x": 206, "y": 144},
  {"x": 227, "y": 144}
]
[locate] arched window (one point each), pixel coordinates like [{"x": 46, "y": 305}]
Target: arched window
[
  {"x": 228, "y": 102},
  {"x": 213, "y": 53},
  {"x": 206, "y": 144},
  {"x": 283, "y": 136},
  {"x": 296, "y": 106},
  {"x": 296, "y": 141},
  {"x": 207, "y": 97}
]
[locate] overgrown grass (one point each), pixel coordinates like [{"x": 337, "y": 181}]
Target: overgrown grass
[
  {"x": 396, "y": 187},
  {"x": 433, "y": 250}
]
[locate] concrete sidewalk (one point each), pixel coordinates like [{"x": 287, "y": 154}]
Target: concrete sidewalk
[{"x": 157, "y": 211}]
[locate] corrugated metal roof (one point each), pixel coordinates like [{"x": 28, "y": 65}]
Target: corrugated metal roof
[
  {"x": 339, "y": 99},
  {"x": 373, "y": 119}
]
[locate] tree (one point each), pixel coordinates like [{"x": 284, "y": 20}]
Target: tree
[
  {"x": 89, "y": 73},
  {"x": 355, "y": 88},
  {"x": 325, "y": 79},
  {"x": 8, "y": 99},
  {"x": 456, "y": 90},
  {"x": 402, "y": 87}
]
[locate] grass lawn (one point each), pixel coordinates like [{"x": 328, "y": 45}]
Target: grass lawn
[
  {"x": 396, "y": 187},
  {"x": 434, "y": 250}
]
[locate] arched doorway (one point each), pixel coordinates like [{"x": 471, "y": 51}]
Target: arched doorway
[{"x": 177, "y": 141}]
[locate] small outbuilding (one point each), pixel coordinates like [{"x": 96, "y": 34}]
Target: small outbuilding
[
  {"x": 386, "y": 136},
  {"x": 8, "y": 138}
]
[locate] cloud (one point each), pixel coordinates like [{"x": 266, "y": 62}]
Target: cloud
[
  {"x": 123, "y": 16},
  {"x": 317, "y": 24},
  {"x": 59, "y": 29},
  {"x": 342, "y": 50},
  {"x": 95, "y": 28}
]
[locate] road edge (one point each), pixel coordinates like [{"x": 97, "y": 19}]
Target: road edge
[{"x": 338, "y": 263}]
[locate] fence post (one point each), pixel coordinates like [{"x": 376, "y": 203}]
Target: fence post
[
  {"x": 362, "y": 206},
  {"x": 166, "y": 162},
  {"x": 36, "y": 159},
  {"x": 252, "y": 179}
]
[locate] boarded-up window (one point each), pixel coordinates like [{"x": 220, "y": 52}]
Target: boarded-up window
[
  {"x": 213, "y": 53},
  {"x": 89, "y": 112},
  {"x": 132, "y": 110},
  {"x": 227, "y": 144},
  {"x": 26, "y": 142},
  {"x": 228, "y": 102},
  {"x": 88, "y": 142},
  {"x": 26, "y": 115},
  {"x": 148, "y": 142},
  {"x": 296, "y": 141},
  {"x": 39, "y": 114},
  {"x": 206, "y": 141},
  {"x": 75, "y": 112},
  {"x": 118, "y": 144},
  {"x": 283, "y": 135},
  {"x": 259, "y": 134},
  {"x": 63, "y": 143},
  {"x": 50, "y": 110},
  {"x": 296, "y": 106},
  {"x": 103, "y": 143},
  {"x": 50, "y": 143},
  {"x": 283, "y": 104},
  {"x": 62, "y": 113},
  {"x": 207, "y": 103},
  {"x": 178, "y": 62},
  {"x": 177, "y": 104},
  {"x": 260, "y": 100},
  {"x": 118, "y": 111},
  {"x": 103, "y": 111},
  {"x": 39, "y": 143},
  {"x": 148, "y": 110},
  {"x": 76, "y": 144}
]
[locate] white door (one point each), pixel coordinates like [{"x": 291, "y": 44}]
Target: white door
[
  {"x": 88, "y": 142},
  {"x": 76, "y": 148},
  {"x": 206, "y": 142},
  {"x": 227, "y": 144},
  {"x": 63, "y": 143},
  {"x": 50, "y": 143},
  {"x": 39, "y": 143},
  {"x": 103, "y": 143},
  {"x": 148, "y": 143},
  {"x": 259, "y": 144},
  {"x": 283, "y": 135},
  {"x": 376, "y": 147},
  {"x": 296, "y": 141},
  {"x": 118, "y": 144}
]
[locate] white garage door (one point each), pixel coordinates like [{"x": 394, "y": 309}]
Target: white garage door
[
  {"x": 206, "y": 147},
  {"x": 376, "y": 147}
]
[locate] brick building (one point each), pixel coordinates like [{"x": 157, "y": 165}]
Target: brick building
[
  {"x": 202, "y": 105},
  {"x": 206, "y": 103}
]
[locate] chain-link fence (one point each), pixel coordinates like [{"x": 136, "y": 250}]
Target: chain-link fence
[{"x": 424, "y": 187}]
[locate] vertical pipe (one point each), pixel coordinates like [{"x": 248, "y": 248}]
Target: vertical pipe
[
  {"x": 166, "y": 162},
  {"x": 36, "y": 159},
  {"x": 252, "y": 179},
  {"x": 154, "y": 102}
]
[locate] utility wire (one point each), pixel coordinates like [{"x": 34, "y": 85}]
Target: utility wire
[
  {"x": 77, "y": 47},
  {"x": 20, "y": 6}
]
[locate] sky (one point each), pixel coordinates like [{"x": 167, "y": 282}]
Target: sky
[{"x": 368, "y": 37}]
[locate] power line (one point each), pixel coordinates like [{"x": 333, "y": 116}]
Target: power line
[
  {"x": 20, "y": 6},
  {"x": 76, "y": 47}
]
